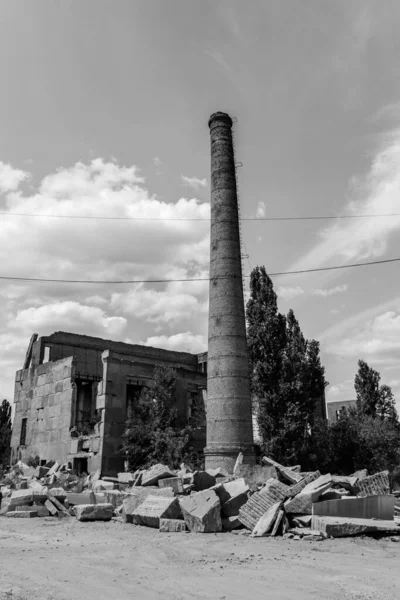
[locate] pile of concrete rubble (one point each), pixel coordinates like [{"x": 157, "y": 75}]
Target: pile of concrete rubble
[{"x": 264, "y": 500}]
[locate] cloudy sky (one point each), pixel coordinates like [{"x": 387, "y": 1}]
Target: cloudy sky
[{"x": 103, "y": 113}]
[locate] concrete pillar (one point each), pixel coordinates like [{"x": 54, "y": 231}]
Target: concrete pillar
[{"x": 229, "y": 419}]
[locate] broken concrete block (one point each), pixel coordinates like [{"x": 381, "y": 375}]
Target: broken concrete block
[
  {"x": 369, "y": 507},
  {"x": 53, "y": 469},
  {"x": 260, "y": 502},
  {"x": 153, "y": 475},
  {"x": 360, "y": 474},
  {"x": 233, "y": 505},
  {"x": 110, "y": 479},
  {"x": 202, "y": 480},
  {"x": 94, "y": 512},
  {"x": 172, "y": 482},
  {"x": 218, "y": 473},
  {"x": 373, "y": 485},
  {"x": 137, "y": 496},
  {"x": 101, "y": 485},
  {"x": 154, "y": 508},
  {"x": 231, "y": 523},
  {"x": 51, "y": 508},
  {"x": 58, "y": 493},
  {"x": 298, "y": 487},
  {"x": 126, "y": 477},
  {"x": 22, "y": 514},
  {"x": 265, "y": 523},
  {"x": 41, "y": 510},
  {"x": 202, "y": 512},
  {"x": 41, "y": 472},
  {"x": 343, "y": 526},
  {"x": 114, "y": 497},
  {"x": 301, "y": 504},
  {"x": 256, "y": 475},
  {"x": 277, "y": 523},
  {"x": 322, "y": 480},
  {"x": 20, "y": 497},
  {"x": 333, "y": 494},
  {"x": 172, "y": 525},
  {"x": 226, "y": 491}
]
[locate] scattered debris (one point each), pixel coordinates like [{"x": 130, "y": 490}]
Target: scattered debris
[{"x": 264, "y": 500}]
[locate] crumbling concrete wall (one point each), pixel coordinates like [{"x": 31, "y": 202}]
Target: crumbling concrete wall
[
  {"x": 44, "y": 396},
  {"x": 119, "y": 370}
]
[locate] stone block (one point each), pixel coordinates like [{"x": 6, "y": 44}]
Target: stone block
[
  {"x": 256, "y": 475},
  {"x": 172, "y": 525},
  {"x": 153, "y": 475},
  {"x": 322, "y": 480},
  {"x": 360, "y": 474},
  {"x": 260, "y": 502},
  {"x": 234, "y": 504},
  {"x": 278, "y": 521},
  {"x": 51, "y": 508},
  {"x": 226, "y": 491},
  {"x": 301, "y": 504},
  {"x": 126, "y": 477},
  {"x": 114, "y": 497},
  {"x": 368, "y": 507},
  {"x": 94, "y": 512},
  {"x": 172, "y": 482},
  {"x": 154, "y": 508},
  {"x": 375, "y": 485},
  {"x": 41, "y": 510},
  {"x": 41, "y": 472},
  {"x": 202, "y": 480},
  {"x": 202, "y": 512},
  {"x": 138, "y": 495},
  {"x": 74, "y": 445},
  {"x": 58, "y": 493},
  {"x": 266, "y": 521},
  {"x": 101, "y": 485},
  {"x": 304, "y": 520},
  {"x": 343, "y": 526},
  {"x": 21, "y": 497},
  {"x": 22, "y": 514},
  {"x": 231, "y": 523}
]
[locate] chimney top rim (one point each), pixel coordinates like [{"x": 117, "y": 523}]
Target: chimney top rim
[{"x": 220, "y": 116}]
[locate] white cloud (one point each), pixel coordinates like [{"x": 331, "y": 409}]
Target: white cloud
[
  {"x": 376, "y": 338},
  {"x": 64, "y": 315},
  {"x": 155, "y": 306},
  {"x": 157, "y": 161},
  {"x": 194, "y": 182},
  {"x": 10, "y": 178},
  {"x": 361, "y": 239},
  {"x": 185, "y": 342},
  {"x": 341, "y": 390},
  {"x": 289, "y": 292},
  {"x": 261, "y": 210},
  {"x": 339, "y": 289}
]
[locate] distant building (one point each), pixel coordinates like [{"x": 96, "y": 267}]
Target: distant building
[
  {"x": 73, "y": 395},
  {"x": 335, "y": 409}
]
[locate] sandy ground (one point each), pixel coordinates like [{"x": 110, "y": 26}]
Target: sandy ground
[{"x": 51, "y": 559}]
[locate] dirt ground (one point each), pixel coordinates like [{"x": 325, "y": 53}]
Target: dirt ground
[{"x": 51, "y": 559}]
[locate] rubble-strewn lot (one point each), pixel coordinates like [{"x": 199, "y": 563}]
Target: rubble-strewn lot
[
  {"x": 262, "y": 531},
  {"x": 52, "y": 559}
]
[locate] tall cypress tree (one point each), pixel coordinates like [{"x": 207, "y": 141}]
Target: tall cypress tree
[
  {"x": 286, "y": 373},
  {"x": 5, "y": 432}
]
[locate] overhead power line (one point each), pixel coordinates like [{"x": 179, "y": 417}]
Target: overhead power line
[
  {"x": 123, "y": 281},
  {"x": 109, "y": 218}
]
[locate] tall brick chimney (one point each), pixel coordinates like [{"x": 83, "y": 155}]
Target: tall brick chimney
[{"x": 229, "y": 418}]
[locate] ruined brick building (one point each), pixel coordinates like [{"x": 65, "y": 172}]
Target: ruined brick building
[{"x": 73, "y": 395}]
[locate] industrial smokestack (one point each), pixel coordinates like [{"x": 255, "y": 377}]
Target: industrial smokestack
[{"x": 229, "y": 417}]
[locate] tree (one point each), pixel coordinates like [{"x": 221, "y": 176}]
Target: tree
[
  {"x": 153, "y": 432},
  {"x": 373, "y": 400},
  {"x": 286, "y": 373},
  {"x": 5, "y": 432}
]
